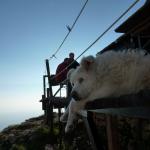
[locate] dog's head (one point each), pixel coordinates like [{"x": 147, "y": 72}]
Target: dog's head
[{"x": 82, "y": 78}]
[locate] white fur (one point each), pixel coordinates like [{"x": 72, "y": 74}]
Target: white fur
[{"x": 110, "y": 74}]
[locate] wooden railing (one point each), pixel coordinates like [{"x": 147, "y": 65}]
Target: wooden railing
[
  {"x": 133, "y": 105},
  {"x": 49, "y": 100}
]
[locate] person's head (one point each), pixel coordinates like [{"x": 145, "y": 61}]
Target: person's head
[{"x": 71, "y": 55}]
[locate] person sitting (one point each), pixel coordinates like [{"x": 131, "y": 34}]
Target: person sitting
[
  {"x": 72, "y": 62},
  {"x": 61, "y": 71}
]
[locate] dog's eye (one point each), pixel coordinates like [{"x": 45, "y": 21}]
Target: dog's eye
[
  {"x": 72, "y": 84},
  {"x": 81, "y": 80}
]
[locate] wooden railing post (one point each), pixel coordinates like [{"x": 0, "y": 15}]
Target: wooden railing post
[
  {"x": 44, "y": 85},
  {"x": 112, "y": 133},
  {"x": 48, "y": 73},
  {"x": 43, "y": 103},
  {"x": 47, "y": 109},
  {"x": 50, "y": 94}
]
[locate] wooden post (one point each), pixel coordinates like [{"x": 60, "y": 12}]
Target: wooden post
[
  {"x": 59, "y": 109},
  {"x": 112, "y": 133},
  {"x": 43, "y": 103},
  {"x": 50, "y": 94},
  {"x": 48, "y": 73},
  {"x": 44, "y": 85},
  {"x": 47, "y": 109},
  {"x": 69, "y": 88}
]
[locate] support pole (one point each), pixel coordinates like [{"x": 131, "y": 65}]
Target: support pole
[
  {"x": 50, "y": 94},
  {"x": 44, "y": 85}
]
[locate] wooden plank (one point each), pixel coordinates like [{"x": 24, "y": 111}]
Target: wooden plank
[
  {"x": 132, "y": 100},
  {"x": 57, "y": 102},
  {"x": 136, "y": 112}
]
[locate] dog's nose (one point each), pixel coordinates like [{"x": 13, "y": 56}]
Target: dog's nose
[{"x": 74, "y": 94}]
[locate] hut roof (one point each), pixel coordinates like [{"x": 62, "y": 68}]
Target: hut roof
[{"x": 138, "y": 23}]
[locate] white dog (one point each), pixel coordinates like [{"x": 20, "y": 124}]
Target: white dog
[{"x": 110, "y": 74}]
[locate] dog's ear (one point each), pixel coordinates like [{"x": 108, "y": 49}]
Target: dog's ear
[
  {"x": 86, "y": 62},
  {"x": 69, "y": 73}
]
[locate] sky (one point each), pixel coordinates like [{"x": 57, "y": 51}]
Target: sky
[{"x": 32, "y": 30}]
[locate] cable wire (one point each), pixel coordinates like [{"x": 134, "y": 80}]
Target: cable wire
[
  {"x": 108, "y": 29},
  {"x": 101, "y": 35},
  {"x": 69, "y": 30}
]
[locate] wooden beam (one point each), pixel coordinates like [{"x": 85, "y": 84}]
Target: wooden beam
[
  {"x": 133, "y": 100},
  {"x": 58, "y": 102}
]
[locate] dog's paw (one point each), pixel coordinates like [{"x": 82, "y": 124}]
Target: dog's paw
[
  {"x": 63, "y": 118},
  {"x": 69, "y": 128}
]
